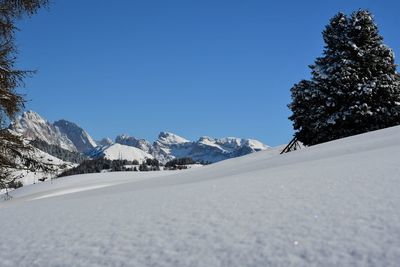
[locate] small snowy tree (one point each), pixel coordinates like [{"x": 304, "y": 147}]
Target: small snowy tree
[{"x": 354, "y": 86}]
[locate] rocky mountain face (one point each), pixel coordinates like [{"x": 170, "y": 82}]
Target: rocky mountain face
[
  {"x": 105, "y": 142},
  {"x": 62, "y": 133},
  {"x": 133, "y": 142},
  {"x": 79, "y": 137},
  {"x": 32, "y": 126},
  {"x": 168, "y": 146}
]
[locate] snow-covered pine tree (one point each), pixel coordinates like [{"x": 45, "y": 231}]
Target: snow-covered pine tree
[
  {"x": 12, "y": 147},
  {"x": 354, "y": 86}
]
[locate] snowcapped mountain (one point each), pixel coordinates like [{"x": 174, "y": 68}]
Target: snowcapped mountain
[
  {"x": 133, "y": 142},
  {"x": 105, "y": 142},
  {"x": 234, "y": 145},
  {"x": 62, "y": 133},
  {"x": 120, "y": 152},
  {"x": 214, "y": 149},
  {"x": 169, "y": 146},
  {"x": 32, "y": 126},
  {"x": 79, "y": 137},
  {"x": 70, "y": 136},
  {"x": 167, "y": 138}
]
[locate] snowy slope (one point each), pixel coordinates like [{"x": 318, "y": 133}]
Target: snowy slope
[
  {"x": 335, "y": 204},
  {"x": 120, "y": 152},
  {"x": 55, "y": 165}
]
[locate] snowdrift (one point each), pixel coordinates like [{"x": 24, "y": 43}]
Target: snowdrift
[{"x": 335, "y": 204}]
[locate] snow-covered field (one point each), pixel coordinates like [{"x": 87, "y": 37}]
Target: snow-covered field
[{"x": 335, "y": 204}]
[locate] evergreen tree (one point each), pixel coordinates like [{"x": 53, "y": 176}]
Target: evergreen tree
[
  {"x": 354, "y": 86},
  {"x": 12, "y": 147}
]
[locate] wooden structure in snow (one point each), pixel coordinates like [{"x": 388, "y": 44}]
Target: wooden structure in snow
[{"x": 293, "y": 145}]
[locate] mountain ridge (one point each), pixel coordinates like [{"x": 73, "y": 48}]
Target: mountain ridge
[
  {"x": 168, "y": 146},
  {"x": 32, "y": 126}
]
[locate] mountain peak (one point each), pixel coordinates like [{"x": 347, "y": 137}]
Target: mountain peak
[
  {"x": 128, "y": 140},
  {"x": 32, "y": 116},
  {"x": 171, "y": 138},
  {"x": 79, "y": 137},
  {"x": 105, "y": 142}
]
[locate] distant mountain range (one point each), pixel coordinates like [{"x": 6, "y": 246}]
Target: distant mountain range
[{"x": 69, "y": 136}]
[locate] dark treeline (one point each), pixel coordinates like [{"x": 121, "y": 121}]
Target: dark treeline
[
  {"x": 150, "y": 165},
  {"x": 180, "y": 161},
  {"x": 98, "y": 165}
]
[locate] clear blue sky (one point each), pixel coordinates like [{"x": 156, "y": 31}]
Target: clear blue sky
[{"x": 217, "y": 68}]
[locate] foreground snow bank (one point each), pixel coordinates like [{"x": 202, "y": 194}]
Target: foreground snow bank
[{"x": 336, "y": 204}]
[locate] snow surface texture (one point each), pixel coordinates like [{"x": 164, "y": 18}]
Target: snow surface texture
[{"x": 335, "y": 204}]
